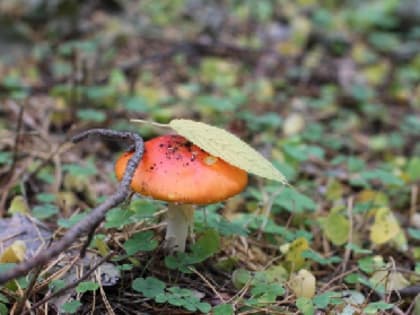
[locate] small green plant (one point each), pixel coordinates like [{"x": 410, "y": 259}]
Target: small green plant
[
  {"x": 71, "y": 307},
  {"x": 142, "y": 241},
  {"x": 153, "y": 288},
  {"x": 206, "y": 246},
  {"x": 3, "y": 307},
  {"x": 87, "y": 286}
]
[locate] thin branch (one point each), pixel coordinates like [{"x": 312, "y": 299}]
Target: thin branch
[
  {"x": 21, "y": 303},
  {"x": 28, "y": 291},
  {"x": 71, "y": 285},
  {"x": 208, "y": 284},
  {"x": 95, "y": 216},
  {"x": 103, "y": 294}
]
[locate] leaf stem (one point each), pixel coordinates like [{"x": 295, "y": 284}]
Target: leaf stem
[{"x": 148, "y": 122}]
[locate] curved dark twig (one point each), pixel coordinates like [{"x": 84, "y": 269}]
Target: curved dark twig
[
  {"x": 90, "y": 236},
  {"x": 411, "y": 291},
  {"x": 95, "y": 216}
]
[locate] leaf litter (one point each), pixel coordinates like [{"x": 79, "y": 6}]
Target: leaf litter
[{"x": 334, "y": 111}]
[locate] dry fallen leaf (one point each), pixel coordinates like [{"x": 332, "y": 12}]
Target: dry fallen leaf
[
  {"x": 391, "y": 280},
  {"x": 293, "y": 124},
  {"x": 15, "y": 253},
  {"x": 18, "y": 205},
  {"x": 303, "y": 284},
  {"x": 385, "y": 227}
]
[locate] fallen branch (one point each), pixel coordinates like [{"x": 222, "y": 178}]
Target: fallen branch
[{"x": 95, "y": 216}]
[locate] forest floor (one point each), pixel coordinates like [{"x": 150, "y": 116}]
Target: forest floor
[{"x": 329, "y": 94}]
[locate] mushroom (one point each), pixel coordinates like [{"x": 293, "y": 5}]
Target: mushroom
[{"x": 175, "y": 170}]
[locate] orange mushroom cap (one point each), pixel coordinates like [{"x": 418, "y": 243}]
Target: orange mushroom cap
[{"x": 175, "y": 170}]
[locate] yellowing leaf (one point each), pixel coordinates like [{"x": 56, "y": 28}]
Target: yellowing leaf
[
  {"x": 294, "y": 255},
  {"x": 336, "y": 228},
  {"x": 218, "y": 71},
  {"x": 376, "y": 74},
  {"x": 293, "y": 124},
  {"x": 102, "y": 246},
  {"x": 335, "y": 190},
  {"x": 18, "y": 205},
  {"x": 265, "y": 90},
  {"x": 390, "y": 280},
  {"x": 15, "y": 253},
  {"x": 66, "y": 199},
  {"x": 222, "y": 144},
  {"x": 152, "y": 94},
  {"x": 303, "y": 284},
  {"x": 385, "y": 227},
  {"x": 287, "y": 48},
  {"x": 374, "y": 197},
  {"x": 301, "y": 28}
]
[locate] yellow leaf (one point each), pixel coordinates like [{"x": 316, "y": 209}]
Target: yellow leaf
[
  {"x": 335, "y": 190},
  {"x": 18, "y": 205},
  {"x": 15, "y": 253},
  {"x": 152, "y": 94},
  {"x": 385, "y": 227},
  {"x": 293, "y": 124},
  {"x": 222, "y": 144},
  {"x": 390, "y": 280},
  {"x": 102, "y": 246},
  {"x": 294, "y": 254},
  {"x": 303, "y": 284},
  {"x": 288, "y": 48},
  {"x": 301, "y": 28},
  {"x": 66, "y": 199},
  {"x": 336, "y": 228},
  {"x": 265, "y": 90},
  {"x": 377, "y": 73},
  {"x": 375, "y": 198}
]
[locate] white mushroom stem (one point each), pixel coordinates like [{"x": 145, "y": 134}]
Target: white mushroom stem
[{"x": 179, "y": 220}]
